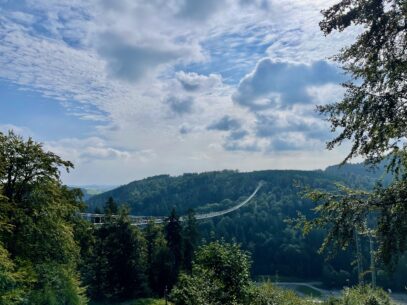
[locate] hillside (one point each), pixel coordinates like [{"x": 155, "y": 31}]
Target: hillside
[
  {"x": 92, "y": 190},
  {"x": 159, "y": 194},
  {"x": 261, "y": 226}
]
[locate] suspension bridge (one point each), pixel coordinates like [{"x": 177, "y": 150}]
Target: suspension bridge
[{"x": 99, "y": 219}]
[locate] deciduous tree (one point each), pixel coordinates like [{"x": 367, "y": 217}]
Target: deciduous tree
[{"x": 373, "y": 116}]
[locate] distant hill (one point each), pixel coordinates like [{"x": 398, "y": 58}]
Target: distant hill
[
  {"x": 159, "y": 194},
  {"x": 361, "y": 174},
  {"x": 94, "y": 189},
  {"x": 261, "y": 226}
]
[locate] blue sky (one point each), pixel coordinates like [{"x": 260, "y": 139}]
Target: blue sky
[{"x": 128, "y": 89}]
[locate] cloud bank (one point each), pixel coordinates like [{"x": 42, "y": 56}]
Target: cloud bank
[{"x": 178, "y": 85}]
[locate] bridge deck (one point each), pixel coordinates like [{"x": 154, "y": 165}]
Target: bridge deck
[{"x": 99, "y": 219}]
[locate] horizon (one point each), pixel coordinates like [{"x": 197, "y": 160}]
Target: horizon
[
  {"x": 196, "y": 88},
  {"x": 112, "y": 186}
]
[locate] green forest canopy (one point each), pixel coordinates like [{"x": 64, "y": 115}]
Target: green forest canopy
[{"x": 261, "y": 226}]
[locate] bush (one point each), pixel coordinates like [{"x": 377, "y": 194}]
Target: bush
[
  {"x": 220, "y": 276},
  {"x": 267, "y": 294},
  {"x": 200, "y": 289},
  {"x": 362, "y": 295}
]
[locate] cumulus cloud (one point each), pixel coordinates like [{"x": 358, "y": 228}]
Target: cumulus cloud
[
  {"x": 282, "y": 84},
  {"x": 180, "y": 104},
  {"x": 123, "y": 65},
  {"x": 282, "y": 97},
  {"x": 328, "y": 93},
  {"x": 194, "y": 82},
  {"x": 278, "y": 132},
  {"x": 293, "y": 141},
  {"x": 185, "y": 129},
  {"x": 141, "y": 38},
  {"x": 86, "y": 149},
  {"x": 237, "y": 134},
  {"x": 131, "y": 62},
  {"x": 226, "y": 123},
  {"x": 268, "y": 126},
  {"x": 199, "y": 10},
  {"x": 242, "y": 146},
  {"x": 20, "y": 130}
]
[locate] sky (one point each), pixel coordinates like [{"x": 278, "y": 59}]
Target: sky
[{"x": 128, "y": 89}]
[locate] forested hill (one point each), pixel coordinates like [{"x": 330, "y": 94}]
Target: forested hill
[
  {"x": 159, "y": 194},
  {"x": 261, "y": 226}
]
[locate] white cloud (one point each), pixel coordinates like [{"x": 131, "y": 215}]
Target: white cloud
[
  {"x": 20, "y": 130},
  {"x": 226, "y": 123},
  {"x": 117, "y": 64},
  {"x": 283, "y": 84},
  {"x": 132, "y": 61},
  {"x": 193, "y": 82},
  {"x": 328, "y": 93},
  {"x": 180, "y": 105},
  {"x": 86, "y": 150}
]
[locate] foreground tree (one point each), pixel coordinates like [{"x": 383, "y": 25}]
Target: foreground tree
[
  {"x": 220, "y": 275},
  {"x": 117, "y": 268},
  {"x": 373, "y": 113},
  {"x": 373, "y": 116},
  {"x": 111, "y": 206},
  {"x": 190, "y": 236},
  {"x": 173, "y": 235},
  {"x": 38, "y": 252},
  {"x": 159, "y": 262},
  {"x": 14, "y": 281}
]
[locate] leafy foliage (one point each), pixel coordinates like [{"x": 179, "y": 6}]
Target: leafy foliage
[
  {"x": 261, "y": 227},
  {"x": 190, "y": 237},
  {"x": 14, "y": 283},
  {"x": 173, "y": 235},
  {"x": 270, "y": 294},
  {"x": 220, "y": 275},
  {"x": 372, "y": 115},
  {"x": 373, "y": 112},
  {"x": 37, "y": 218},
  {"x": 158, "y": 259},
  {"x": 347, "y": 207},
  {"x": 362, "y": 295},
  {"x": 117, "y": 265}
]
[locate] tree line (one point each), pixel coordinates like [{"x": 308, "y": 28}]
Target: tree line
[
  {"x": 47, "y": 252},
  {"x": 262, "y": 227},
  {"x": 121, "y": 261}
]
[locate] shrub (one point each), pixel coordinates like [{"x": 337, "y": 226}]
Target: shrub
[
  {"x": 220, "y": 276},
  {"x": 362, "y": 295},
  {"x": 267, "y": 294}
]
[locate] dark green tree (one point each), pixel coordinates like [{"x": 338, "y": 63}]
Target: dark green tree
[
  {"x": 220, "y": 275},
  {"x": 159, "y": 263},
  {"x": 111, "y": 206},
  {"x": 14, "y": 280},
  {"x": 190, "y": 236},
  {"x": 38, "y": 215},
  {"x": 118, "y": 268},
  {"x": 372, "y": 115},
  {"x": 97, "y": 210},
  {"x": 373, "y": 112},
  {"x": 173, "y": 235}
]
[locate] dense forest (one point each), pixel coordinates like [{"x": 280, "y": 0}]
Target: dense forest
[
  {"x": 262, "y": 227},
  {"x": 159, "y": 194},
  {"x": 50, "y": 255}
]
